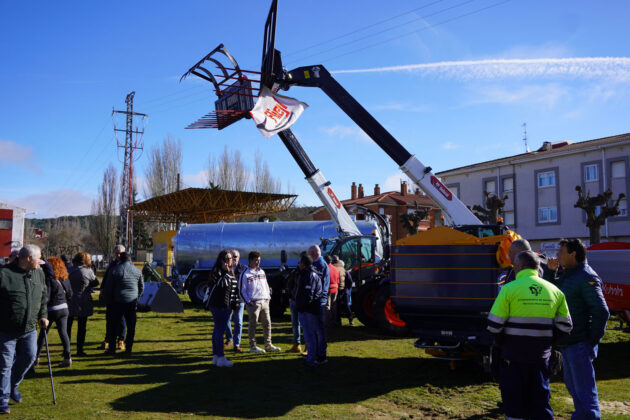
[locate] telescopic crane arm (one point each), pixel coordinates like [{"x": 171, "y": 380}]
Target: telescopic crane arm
[
  {"x": 455, "y": 212},
  {"x": 344, "y": 224}
]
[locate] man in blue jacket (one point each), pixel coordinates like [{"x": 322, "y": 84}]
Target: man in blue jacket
[
  {"x": 583, "y": 290},
  {"x": 322, "y": 268},
  {"x": 308, "y": 305}
]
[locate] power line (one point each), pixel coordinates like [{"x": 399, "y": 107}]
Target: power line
[
  {"x": 446, "y": 9},
  {"x": 418, "y": 30},
  {"x": 82, "y": 160},
  {"x": 361, "y": 29}
]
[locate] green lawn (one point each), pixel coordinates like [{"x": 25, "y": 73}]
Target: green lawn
[{"x": 170, "y": 376}]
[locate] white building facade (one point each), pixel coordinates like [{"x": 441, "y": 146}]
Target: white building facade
[{"x": 540, "y": 188}]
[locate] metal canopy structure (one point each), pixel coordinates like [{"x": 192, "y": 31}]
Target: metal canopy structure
[{"x": 203, "y": 205}]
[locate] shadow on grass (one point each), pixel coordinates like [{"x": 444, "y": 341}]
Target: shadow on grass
[
  {"x": 608, "y": 364},
  {"x": 263, "y": 388}
]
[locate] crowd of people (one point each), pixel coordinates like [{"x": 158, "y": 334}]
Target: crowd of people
[
  {"x": 313, "y": 289},
  {"x": 545, "y": 308},
  {"x": 36, "y": 291}
]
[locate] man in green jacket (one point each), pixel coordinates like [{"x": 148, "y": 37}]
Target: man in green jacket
[
  {"x": 526, "y": 316},
  {"x": 23, "y": 301},
  {"x": 583, "y": 290}
]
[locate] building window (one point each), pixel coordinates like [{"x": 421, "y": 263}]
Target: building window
[
  {"x": 547, "y": 214},
  {"x": 508, "y": 185},
  {"x": 490, "y": 186},
  {"x": 546, "y": 179},
  {"x": 590, "y": 173},
  {"x": 623, "y": 207},
  {"x": 508, "y": 218},
  {"x": 381, "y": 210},
  {"x": 454, "y": 190},
  {"x": 618, "y": 169}
]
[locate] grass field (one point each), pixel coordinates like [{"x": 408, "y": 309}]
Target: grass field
[{"x": 170, "y": 376}]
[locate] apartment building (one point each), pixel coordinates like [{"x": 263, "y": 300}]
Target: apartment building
[{"x": 540, "y": 187}]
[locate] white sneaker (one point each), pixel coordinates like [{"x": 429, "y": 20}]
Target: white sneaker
[
  {"x": 256, "y": 349},
  {"x": 224, "y": 362},
  {"x": 272, "y": 348},
  {"x": 215, "y": 359}
]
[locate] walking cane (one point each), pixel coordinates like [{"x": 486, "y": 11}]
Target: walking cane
[{"x": 52, "y": 385}]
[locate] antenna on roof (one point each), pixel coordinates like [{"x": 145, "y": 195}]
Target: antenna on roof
[{"x": 525, "y": 137}]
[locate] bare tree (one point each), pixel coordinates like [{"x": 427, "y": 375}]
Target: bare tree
[
  {"x": 228, "y": 172},
  {"x": 165, "y": 162},
  {"x": 103, "y": 224},
  {"x": 263, "y": 182},
  {"x": 64, "y": 237},
  {"x": 494, "y": 206},
  {"x": 597, "y": 210},
  {"x": 411, "y": 221}
]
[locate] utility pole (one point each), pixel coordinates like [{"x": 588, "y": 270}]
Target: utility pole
[{"x": 127, "y": 180}]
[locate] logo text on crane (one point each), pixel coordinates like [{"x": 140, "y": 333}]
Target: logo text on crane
[
  {"x": 334, "y": 198},
  {"x": 441, "y": 188}
]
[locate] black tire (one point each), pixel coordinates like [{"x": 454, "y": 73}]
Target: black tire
[
  {"x": 197, "y": 287},
  {"x": 385, "y": 314},
  {"x": 362, "y": 304}
]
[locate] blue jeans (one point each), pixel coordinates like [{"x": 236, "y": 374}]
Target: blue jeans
[
  {"x": 220, "y": 316},
  {"x": 295, "y": 323},
  {"x": 17, "y": 354},
  {"x": 238, "y": 325},
  {"x": 309, "y": 327},
  {"x": 320, "y": 334},
  {"x": 579, "y": 377}
]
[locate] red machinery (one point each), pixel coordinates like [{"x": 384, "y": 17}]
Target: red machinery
[{"x": 611, "y": 260}]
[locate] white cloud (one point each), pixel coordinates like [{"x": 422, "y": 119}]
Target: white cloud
[
  {"x": 56, "y": 203},
  {"x": 547, "y": 95},
  {"x": 449, "y": 145},
  {"x": 611, "y": 68},
  {"x": 199, "y": 179},
  {"x": 402, "y": 107},
  {"x": 14, "y": 153},
  {"x": 344, "y": 131}
]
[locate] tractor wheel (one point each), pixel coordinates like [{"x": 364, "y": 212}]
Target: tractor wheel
[
  {"x": 385, "y": 314},
  {"x": 362, "y": 302},
  {"x": 197, "y": 289}
]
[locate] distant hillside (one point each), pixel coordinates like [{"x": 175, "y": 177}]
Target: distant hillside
[{"x": 45, "y": 224}]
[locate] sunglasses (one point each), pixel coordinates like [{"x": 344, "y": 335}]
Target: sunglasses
[{"x": 226, "y": 259}]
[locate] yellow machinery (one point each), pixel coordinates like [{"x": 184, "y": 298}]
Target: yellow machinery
[{"x": 163, "y": 252}]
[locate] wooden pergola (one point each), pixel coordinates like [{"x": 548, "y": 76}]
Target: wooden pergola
[{"x": 205, "y": 205}]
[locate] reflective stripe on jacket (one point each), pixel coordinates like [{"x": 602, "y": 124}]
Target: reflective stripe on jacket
[{"x": 526, "y": 313}]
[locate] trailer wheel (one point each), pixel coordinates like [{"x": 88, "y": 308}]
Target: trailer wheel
[
  {"x": 385, "y": 314},
  {"x": 197, "y": 288},
  {"x": 362, "y": 301}
]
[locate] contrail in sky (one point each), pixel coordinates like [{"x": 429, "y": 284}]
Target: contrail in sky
[{"x": 617, "y": 68}]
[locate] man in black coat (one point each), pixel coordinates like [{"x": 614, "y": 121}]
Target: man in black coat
[{"x": 121, "y": 330}]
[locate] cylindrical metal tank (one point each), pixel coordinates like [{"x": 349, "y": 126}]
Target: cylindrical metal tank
[{"x": 198, "y": 245}]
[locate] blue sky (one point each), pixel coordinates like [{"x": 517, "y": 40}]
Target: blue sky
[{"x": 452, "y": 80}]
